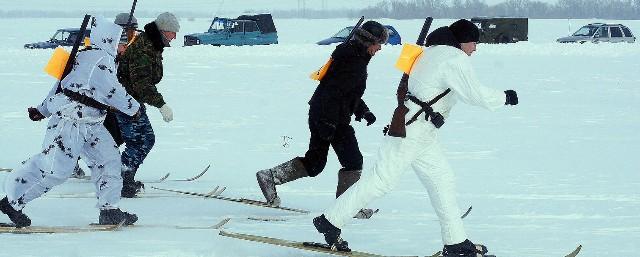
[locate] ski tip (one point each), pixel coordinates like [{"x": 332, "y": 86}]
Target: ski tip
[
  {"x": 575, "y": 252},
  {"x": 467, "y": 212},
  {"x": 221, "y": 223},
  {"x": 164, "y": 177}
]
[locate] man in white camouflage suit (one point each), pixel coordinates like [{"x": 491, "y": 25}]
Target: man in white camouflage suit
[{"x": 76, "y": 112}]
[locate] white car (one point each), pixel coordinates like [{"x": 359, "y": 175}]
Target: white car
[{"x": 600, "y": 32}]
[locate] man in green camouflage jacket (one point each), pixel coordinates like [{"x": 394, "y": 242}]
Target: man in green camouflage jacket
[{"x": 139, "y": 71}]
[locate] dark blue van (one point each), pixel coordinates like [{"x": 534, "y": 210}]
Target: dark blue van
[{"x": 62, "y": 37}]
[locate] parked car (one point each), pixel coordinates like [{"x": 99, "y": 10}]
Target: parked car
[
  {"x": 244, "y": 30},
  {"x": 394, "y": 36},
  {"x": 502, "y": 30},
  {"x": 600, "y": 32},
  {"x": 62, "y": 37}
]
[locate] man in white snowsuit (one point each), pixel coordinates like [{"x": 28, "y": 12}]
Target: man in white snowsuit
[
  {"x": 76, "y": 112},
  {"x": 444, "y": 65}
]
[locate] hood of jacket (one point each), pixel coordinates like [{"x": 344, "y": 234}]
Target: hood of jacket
[
  {"x": 105, "y": 35},
  {"x": 155, "y": 36}
]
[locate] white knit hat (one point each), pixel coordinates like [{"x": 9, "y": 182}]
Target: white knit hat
[{"x": 166, "y": 21}]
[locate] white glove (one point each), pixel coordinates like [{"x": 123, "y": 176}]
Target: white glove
[{"x": 167, "y": 113}]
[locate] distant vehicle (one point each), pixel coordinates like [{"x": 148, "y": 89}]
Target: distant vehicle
[
  {"x": 244, "y": 30},
  {"x": 394, "y": 36},
  {"x": 600, "y": 32},
  {"x": 494, "y": 30},
  {"x": 62, "y": 37}
]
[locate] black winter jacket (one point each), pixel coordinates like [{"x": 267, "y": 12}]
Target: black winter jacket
[{"x": 339, "y": 94}]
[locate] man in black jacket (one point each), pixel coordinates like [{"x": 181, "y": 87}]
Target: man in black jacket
[{"x": 336, "y": 99}]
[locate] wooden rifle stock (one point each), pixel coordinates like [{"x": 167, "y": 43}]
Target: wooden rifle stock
[{"x": 397, "y": 128}]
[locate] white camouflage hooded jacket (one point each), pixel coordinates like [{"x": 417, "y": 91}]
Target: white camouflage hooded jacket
[{"x": 93, "y": 75}]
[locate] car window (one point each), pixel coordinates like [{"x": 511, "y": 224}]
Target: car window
[
  {"x": 344, "y": 33},
  {"x": 72, "y": 37},
  {"x": 616, "y": 32},
  {"x": 586, "y": 31},
  {"x": 627, "y": 32},
  {"x": 217, "y": 25},
  {"x": 236, "y": 27},
  {"x": 250, "y": 27},
  {"x": 390, "y": 31},
  {"x": 59, "y": 35},
  {"x": 603, "y": 32}
]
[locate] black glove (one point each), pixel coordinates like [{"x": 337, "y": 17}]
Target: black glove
[
  {"x": 34, "y": 114},
  {"x": 369, "y": 117},
  {"x": 512, "y": 97},
  {"x": 326, "y": 130}
]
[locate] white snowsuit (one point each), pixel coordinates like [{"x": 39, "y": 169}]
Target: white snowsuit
[
  {"x": 76, "y": 130},
  {"x": 438, "y": 68}
]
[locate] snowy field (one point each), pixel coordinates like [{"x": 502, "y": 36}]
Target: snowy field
[{"x": 557, "y": 170}]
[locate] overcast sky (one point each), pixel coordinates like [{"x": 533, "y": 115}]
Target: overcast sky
[{"x": 195, "y": 5}]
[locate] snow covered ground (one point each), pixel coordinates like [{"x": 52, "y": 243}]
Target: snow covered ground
[{"x": 557, "y": 170}]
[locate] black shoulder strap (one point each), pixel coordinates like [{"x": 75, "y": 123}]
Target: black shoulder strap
[{"x": 426, "y": 107}]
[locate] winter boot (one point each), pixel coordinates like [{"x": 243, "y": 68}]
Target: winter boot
[
  {"x": 465, "y": 249},
  {"x": 17, "y": 217},
  {"x": 331, "y": 234},
  {"x": 115, "y": 216},
  {"x": 346, "y": 178},
  {"x": 78, "y": 172},
  {"x": 278, "y": 175},
  {"x": 130, "y": 187}
]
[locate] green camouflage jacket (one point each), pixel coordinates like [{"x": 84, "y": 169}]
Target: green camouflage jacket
[{"x": 140, "y": 69}]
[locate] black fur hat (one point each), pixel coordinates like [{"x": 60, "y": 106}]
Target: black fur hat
[
  {"x": 371, "y": 32},
  {"x": 465, "y": 31}
]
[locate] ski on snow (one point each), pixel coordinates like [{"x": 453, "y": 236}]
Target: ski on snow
[
  {"x": 11, "y": 228},
  {"x": 161, "y": 179},
  {"x": 324, "y": 248},
  {"x": 237, "y": 200},
  {"x": 308, "y": 246}
]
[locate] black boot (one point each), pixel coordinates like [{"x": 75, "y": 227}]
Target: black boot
[
  {"x": 115, "y": 216},
  {"x": 17, "y": 217},
  {"x": 130, "y": 187},
  {"x": 464, "y": 249},
  {"x": 78, "y": 172},
  {"x": 331, "y": 234},
  {"x": 278, "y": 175}
]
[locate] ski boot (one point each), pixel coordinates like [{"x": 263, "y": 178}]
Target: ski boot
[
  {"x": 278, "y": 175},
  {"x": 465, "y": 249},
  {"x": 115, "y": 216},
  {"x": 130, "y": 187},
  {"x": 78, "y": 173},
  {"x": 17, "y": 217},
  {"x": 331, "y": 234}
]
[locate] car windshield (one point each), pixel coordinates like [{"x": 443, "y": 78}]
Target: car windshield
[
  {"x": 586, "y": 31},
  {"x": 60, "y": 35},
  {"x": 217, "y": 25},
  {"x": 344, "y": 33}
]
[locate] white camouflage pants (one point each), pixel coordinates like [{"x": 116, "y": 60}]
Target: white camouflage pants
[
  {"x": 420, "y": 151},
  {"x": 65, "y": 141}
]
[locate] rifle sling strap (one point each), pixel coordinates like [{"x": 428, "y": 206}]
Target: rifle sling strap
[
  {"x": 426, "y": 107},
  {"x": 86, "y": 100}
]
